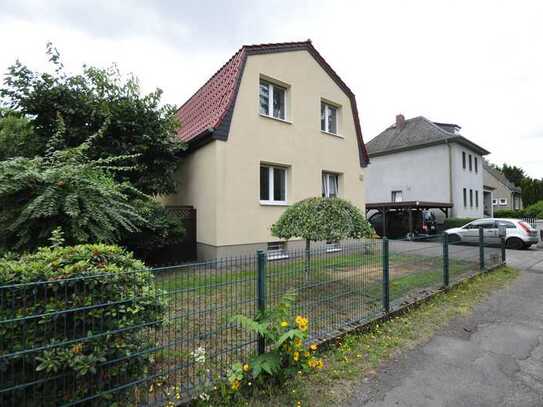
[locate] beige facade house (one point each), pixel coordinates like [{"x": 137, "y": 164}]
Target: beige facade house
[{"x": 273, "y": 126}]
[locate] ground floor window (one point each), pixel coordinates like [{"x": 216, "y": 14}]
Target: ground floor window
[
  {"x": 277, "y": 250},
  {"x": 330, "y": 185},
  {"x": 273, "y": 184}
]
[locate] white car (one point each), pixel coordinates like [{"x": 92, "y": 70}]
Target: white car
[{"x": 519, "y": 234}]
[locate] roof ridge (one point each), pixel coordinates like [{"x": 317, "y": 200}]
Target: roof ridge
[{"x": 431, "y": 123}]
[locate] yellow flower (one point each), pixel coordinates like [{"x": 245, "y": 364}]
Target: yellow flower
[
  {"x": 235, "y": 385},
  {"x": 313, "y": 347},
  {"x": 306, "y": 354},
  {"x": 246, "y": 367},
  {"x": 297, "y": 342},
  {"x": 320, "y": 364},
  {"x": 296, "y": 356},
  {"x": 284, "y": 324},
  {"x": 301, "y": 322},
  {"x": 77, "y": 348}
]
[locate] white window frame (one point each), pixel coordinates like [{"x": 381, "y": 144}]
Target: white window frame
[
  {"x": 392, "y": 195},
  {"x": 277, "y": 253},
  {"x": 326, "y": 121},
  {"x": 494, "y": 202},
  {"x": 328, "y": 176},
  {"x": 271, "y": 87},
  {"x": 502, "y": 201},
  {"x": 271, "y": 201}
]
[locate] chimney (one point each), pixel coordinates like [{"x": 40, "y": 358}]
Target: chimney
[{"x": 400, "y": 121}]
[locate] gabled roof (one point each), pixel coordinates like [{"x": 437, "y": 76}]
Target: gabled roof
[
  {"x": 500, "y": 177},
  {"x": 207, "y": 114},
  {"x": 418, "y": 132}
]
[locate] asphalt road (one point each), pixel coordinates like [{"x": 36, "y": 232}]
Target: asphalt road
[{"x": 492, "y": 358}]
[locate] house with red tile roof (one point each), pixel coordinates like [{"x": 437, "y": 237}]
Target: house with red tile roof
[{"x": 273, "y": 126}]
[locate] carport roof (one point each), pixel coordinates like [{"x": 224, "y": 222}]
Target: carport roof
[{"x": 408, "y": 205}]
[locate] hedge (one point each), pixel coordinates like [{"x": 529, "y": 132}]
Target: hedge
[
  {"x": 457, "y": 222},
  {"x": 78, "y": 316}
]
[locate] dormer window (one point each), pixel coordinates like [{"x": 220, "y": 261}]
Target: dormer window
[
  {"x": 272, "y": 100},
  {"x": 328, "y": 118}
]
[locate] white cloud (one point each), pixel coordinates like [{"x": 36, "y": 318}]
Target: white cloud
[{"x": 477, "y": 64}]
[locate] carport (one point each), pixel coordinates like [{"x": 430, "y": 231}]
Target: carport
[{"x": 385, "y": 207}]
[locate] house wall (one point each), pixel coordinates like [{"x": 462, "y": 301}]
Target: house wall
[
  {"x": 297, "y": 144},
  {"x": 501, "y": 191},
  {"x": 221, "y": 180},
  {"x": 196, "y": 183},
  {"x": 464, "y": 178},
  {"x": 421, "y": 175}
]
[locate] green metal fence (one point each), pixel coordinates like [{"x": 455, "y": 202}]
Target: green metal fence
[{"x": 338, "y": 288}]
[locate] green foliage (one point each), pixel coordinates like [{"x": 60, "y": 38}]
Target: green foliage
[
  {"x": 136, "y": 124},
  {"x": 457, "y": 222},
  {"x": 509, "y": 213},
  {"x": 514, "y": 174},
  {"x": 66, "y": 190},
  {"x": 16, "y": 135},
  {"x": 535, "y": 210},
  {"x": 317, "y": 219},
  {"x": 162, "y": 229},
  {"x": 72, "y": 344},
  {"x": 532, "y": 191}
]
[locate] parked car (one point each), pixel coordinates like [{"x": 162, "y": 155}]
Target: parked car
[
  {"x": 518, "y": 233},
  {"x": 424, "y": 223}
]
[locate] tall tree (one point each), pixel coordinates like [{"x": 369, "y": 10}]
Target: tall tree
[
  {"x": 513, "y": 173},
  {"x": 136, "y": 124}
]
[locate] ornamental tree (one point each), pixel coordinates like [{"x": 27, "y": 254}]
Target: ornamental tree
[
  {"x": 316, "y": 219},
  {"x": 136, "y": 123}
]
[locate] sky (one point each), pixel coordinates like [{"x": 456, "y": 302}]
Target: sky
[{"x": 478, "y": 64}]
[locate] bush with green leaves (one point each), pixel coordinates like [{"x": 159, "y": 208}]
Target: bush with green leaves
[
  {"x": 137, "y": 124},
  {"x": 457, "y": 222},
  {"x": 82, "y": 318},
  {"x": 509, "y": 213},
  {"x": 535, "y": 210},
  {"x": 316, "y": 219},
  {"x": 65, "y": 189}
]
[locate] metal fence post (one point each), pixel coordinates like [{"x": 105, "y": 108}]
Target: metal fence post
[
  {"x": 481, "y": 249},
  {"x": 261, "y": 293},
  {"x": 502, "y": 242},
  {"x": 445, "y": 260},
  {"x": 386, "y": 277}
]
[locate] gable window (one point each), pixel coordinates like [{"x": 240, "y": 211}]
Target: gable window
[
  {"x": 273, "y": 185},
  {"x": 465, "y": 197},
  {"x": 328, "y": 118},
  {"x": 470, "y": 162},
  {"x": 476, "y": 164},
  {"x": 330, "y": 185},
  {"x": 272, "y": 100},
  {"x": 397, "y": 196},
  {"x": 463, "y": 159}
]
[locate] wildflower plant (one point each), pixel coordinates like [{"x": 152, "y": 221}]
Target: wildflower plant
[{"x": 287, "y": 351}]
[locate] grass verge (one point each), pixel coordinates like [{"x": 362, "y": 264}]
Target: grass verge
[{"x": 358, "y": 355}]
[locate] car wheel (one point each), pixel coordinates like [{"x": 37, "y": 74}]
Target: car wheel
[
  {"x": 454, "y": 238},
  {"x": 514, "y": 243}
]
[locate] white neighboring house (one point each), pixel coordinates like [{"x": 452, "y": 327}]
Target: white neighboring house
[{"x": 421, "y": 160}]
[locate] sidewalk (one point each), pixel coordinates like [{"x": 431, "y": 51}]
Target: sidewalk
[{"x": 494, "y": 357}]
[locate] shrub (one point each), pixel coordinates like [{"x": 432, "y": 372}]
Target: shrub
[
  {"x": 81, "y": 317},
  {"x": 535, "y": 210},
  {"x": 509, "y": 213},
  {"x": 457, "y": 222}
]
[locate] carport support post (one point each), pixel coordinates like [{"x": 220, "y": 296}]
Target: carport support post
[
  {"x": 445, "y": 260},
  {"x": 386, "y": 277},
  {"x": 481, "y": 249},
  {"x": 261, "y": 294}
]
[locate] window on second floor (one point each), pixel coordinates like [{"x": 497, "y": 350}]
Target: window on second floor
[
  {"x": 328, "y": 118},
  {"x": 476, "y": 164},
  {"x": 463, "y": 159},
  {"x": 273, "y": 185},
  {"x": 470, "y": 167},
  {"x": 397, "y": 196},
  {"x": 272, "y": 100},
  {"x": 330, "y": 185}
]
